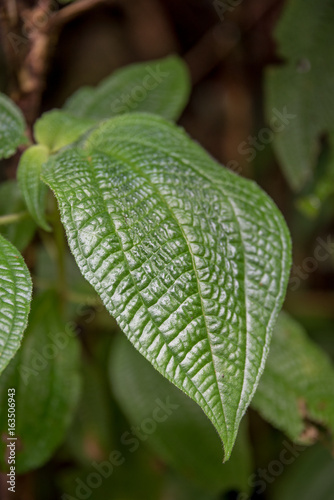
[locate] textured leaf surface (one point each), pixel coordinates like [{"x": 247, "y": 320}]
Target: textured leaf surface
[
  {"x": 11, "y": 202},
  {"x": 11, "y": 127},
  {"x": 161, "y": 87},
  {"x": 15, "y": 296},
  {"x": 57, "y": 129},
  {"x": 44, "y": 374},
  {"x": 297, "y": 386},
  {"x": 190, "y": 259},
  {"x": 32, "y": 188},
  {"x": 181, "y": 434},
  {"x": 303, "y": 86}
]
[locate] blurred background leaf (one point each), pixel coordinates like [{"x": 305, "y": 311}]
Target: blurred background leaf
[
  {"x": 296, "y": 391},
  {"x": 45, "y": 376},
  {"x": 309, "y": 478},
  {"x": 299, "y": 87}
]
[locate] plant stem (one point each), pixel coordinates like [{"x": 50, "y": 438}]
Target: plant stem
[
  {"x": 12, "y": 218},
  {"x": 71, "y": 11}
]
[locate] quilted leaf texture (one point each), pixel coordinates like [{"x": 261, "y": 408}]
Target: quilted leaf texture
[
  {"x": 15, "y": 296},
  {"x": 12, "y": 127},
  {"x": 190, "y": 259}
]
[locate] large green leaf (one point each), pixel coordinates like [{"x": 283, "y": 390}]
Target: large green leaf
[
  {"x": 33, "y": 189},
  {"x": 12, "y": 127},
  {"x": 296, "y": 390},
  {"x": 302, "y": 86},
  {"x": 15, "y": 296},
  {"x": 44, "y": 374},
  {"x": 173, "y": 425},
  {"x": 161, "y": 87},
  {"x": 11, "y": 202},
  {"x": 190, "y": 259}
]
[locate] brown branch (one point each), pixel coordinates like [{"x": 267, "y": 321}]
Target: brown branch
[
  {"x": 217, "y": 43},
  {"x": 73, "y": 10},
  {"x": 29, "y": 37}
]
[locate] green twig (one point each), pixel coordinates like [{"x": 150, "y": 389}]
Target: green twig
[{"x": 12, "y": 218}]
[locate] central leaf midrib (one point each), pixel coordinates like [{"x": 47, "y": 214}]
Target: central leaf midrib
[
  {"x": 139, "y": 294},
  {"x": 165, "y": 202},
  {"x": 205, "y": 176},
  {"x": 170, "y": 153}
]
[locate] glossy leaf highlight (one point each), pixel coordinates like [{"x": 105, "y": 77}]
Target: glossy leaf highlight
[
  {"x": 15, "y": 296},
  {"x": 190, "y": 259},
  {"x": 12, "y": 127}
]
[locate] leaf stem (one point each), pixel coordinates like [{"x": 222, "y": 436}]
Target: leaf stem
[{"x": 12, "y": 218}]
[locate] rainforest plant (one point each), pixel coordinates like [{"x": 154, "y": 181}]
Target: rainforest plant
[{"x": 190, "y": 259}]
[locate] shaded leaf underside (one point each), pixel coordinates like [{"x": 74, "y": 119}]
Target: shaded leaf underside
[{"x": 190, "y": 259}]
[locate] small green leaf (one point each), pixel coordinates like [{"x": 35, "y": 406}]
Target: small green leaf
[
  {"x": 297, "y": 386},
  {"x": 44, "y": 374},
  {"x": 11, "y": 202},
  {"x": 161, "y": 87},
  {"x": 173, "y": 425},
  {"x": 15, "y": 296},
  {"x": 33, "y": 189},
  {"x": 56, "y": 129},
  {"x": 190, "y": 259},
  {"x": 12, "y": 127},
  {"x": 302, "y": 87}
]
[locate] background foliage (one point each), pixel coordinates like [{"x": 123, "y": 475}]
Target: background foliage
[{"x": 95, "y": 419}]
